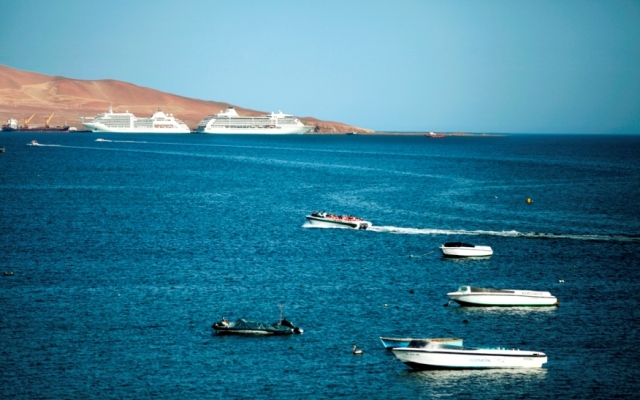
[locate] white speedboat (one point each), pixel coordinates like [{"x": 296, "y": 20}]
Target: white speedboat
[
  {"x": 460, "y": 249},
  {"x": 488, "y": 297},
  {"x": 425, "y": 354},
  {"x": 337, "y": 221},
  {"x": 34, "y": 143}
]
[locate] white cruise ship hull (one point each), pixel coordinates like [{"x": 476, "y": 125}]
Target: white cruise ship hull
[
  {"x": 278, "y": 130},
  {"x": 469, "y": 358}
]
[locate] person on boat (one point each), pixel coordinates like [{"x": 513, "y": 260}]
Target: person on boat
[{"x": 224, "y": 322}]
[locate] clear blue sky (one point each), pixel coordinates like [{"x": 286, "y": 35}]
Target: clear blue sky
[{"x": 559, "y": 66}]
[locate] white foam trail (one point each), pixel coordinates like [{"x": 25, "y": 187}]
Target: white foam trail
[{"x": 528, "y": 235}]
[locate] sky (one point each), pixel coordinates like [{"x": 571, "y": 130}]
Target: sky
[{"x": 485, "y": 66}]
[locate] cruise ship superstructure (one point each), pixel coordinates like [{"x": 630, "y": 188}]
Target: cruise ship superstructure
[
  {"x": 126, "y": 122},
  {"x": 229, "y": 122}
]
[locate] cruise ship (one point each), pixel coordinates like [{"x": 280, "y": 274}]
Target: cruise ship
[
  {"x": 230, "y": 122},
  {"x": 126, "y": 122}
]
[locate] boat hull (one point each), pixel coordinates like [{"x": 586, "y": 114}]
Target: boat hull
[
  {"x": 498, "y": 300},
  {"x": 469, "y": 359},
  {"x": 335, "y": 223},
  {"x": 477, "y": 251}
]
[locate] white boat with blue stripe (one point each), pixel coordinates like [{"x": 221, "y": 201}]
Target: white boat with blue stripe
[{"x": 425, "y": 354}]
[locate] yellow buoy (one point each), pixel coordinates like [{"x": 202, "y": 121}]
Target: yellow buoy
[{"x": 529, "y": 201}]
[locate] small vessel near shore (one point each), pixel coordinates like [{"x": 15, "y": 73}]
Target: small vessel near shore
[
  {"x": 244, "y": 327},
  {"x": 34, "y": 143},
  {"x": 126, "y": 122},
  {"x": 322, "y": 219},
  {"x": 425, "y": 354},
  {"x": 229, "y": 122},
  {"x": 434, "y": 135},
  {"x": 390, "y": 343},
  {"x": 461, "y": 249},
  {"x": 490, "y": 297}
]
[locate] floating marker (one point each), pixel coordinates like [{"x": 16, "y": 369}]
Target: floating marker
[{"x": 529, "y": 201}]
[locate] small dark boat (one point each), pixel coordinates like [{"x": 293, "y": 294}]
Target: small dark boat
[{"x": 244, "y": 327}]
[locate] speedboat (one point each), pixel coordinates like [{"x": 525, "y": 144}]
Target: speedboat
[
  {"x": 390, "y": 343},
  {"x": 434, "y": 135},
  {"x": 337, "y": 221},
  {"x": 460, "y": 249},
  {"x": 425, "y": 354},
  {"x": 34, "y": 143},
  {"x": 244, "y": 327},
  {"x": 100, "y": 139},
  {"x": 476, "y": 296}
]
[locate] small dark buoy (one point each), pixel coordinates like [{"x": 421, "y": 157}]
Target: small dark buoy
[
  {"x": 464, "y": 321},
  {"x": 411, "y": 291},
  {"x": 410, "y": 255}
]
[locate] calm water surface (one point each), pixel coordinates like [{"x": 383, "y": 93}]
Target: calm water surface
[{"x": 125, "y": 252}]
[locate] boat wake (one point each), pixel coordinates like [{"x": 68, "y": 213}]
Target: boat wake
[
  {"x": 44, "y": 145},
  {"x": 513, "y": 233}
]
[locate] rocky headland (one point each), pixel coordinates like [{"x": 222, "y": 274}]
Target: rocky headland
[{"x": 23, "y": 93}]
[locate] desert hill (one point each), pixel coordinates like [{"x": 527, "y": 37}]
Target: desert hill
[{"x": 23, "y": 93}]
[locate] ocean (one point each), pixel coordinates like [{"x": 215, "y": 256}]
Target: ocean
[{"x": 118, "y": 256}]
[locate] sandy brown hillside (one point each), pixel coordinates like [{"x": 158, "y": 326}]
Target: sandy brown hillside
[{"x": 23, "y": 93}]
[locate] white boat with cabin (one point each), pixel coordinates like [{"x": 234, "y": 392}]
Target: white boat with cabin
[
  {"x": 425, "y": 354},
  {"x": 126, "y": 122},
  {"x": 322, "y": 219},
  {"x": 229, "y": 122},
  {"x": 490, "y": 297},
  {"x": 461, "y": 249}
]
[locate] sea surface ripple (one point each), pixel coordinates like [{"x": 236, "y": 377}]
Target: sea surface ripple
[{"x": 119, "y": 256}]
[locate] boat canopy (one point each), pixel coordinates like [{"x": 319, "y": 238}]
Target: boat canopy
[
  {"x": 436, "y": 343},
  {"x": 474, "y": 289},
  {"x": 458, "y": 244},
  {"x": 284, "y": 326}
]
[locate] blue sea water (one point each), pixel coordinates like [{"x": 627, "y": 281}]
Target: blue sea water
[{"x": 125, "y": 252}]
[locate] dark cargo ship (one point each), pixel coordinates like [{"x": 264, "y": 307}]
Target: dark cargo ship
[{"x": 12, "y": 126}]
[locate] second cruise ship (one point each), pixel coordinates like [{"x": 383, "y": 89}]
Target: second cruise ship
[
  {"x": 230, "y": 122},
  {"x": 126, "y": 122}
]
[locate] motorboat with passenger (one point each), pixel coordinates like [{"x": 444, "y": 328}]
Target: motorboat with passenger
[
  {"x": 390, "y": 343},
  {"x": 461, "y": 249},
  {"x": 426, "y": 354},
  {"x": 337, "y": 221},
  {"x": 34, "y": 143},
  {"x": 490, "y": 297},
  {"x": 243, "y": 327}
]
